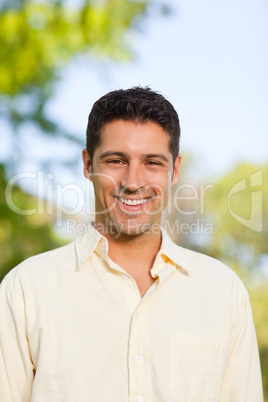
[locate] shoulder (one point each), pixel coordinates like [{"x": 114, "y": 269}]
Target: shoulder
[
  {"x": 42, "y": 266},
  {"x": 53, "y": 268},
  {"x": 204, "y": 268},
  {"x": 213, "y": 280},
  {"x": 204, "y": 263}
]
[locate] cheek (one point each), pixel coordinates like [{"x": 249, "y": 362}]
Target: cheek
[
  {"x": 159, "y": 184},
  {"x": 104, "y": 183}
]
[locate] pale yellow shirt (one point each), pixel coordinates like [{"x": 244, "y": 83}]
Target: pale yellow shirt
[{"x": 73, "y": 328}]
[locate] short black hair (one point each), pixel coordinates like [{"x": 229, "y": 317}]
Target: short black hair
[{"x": 135, "y": 104}]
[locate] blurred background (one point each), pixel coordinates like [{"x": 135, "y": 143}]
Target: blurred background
[{"x": 208, "y": 58}]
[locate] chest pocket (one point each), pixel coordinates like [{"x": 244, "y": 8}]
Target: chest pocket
[{"x": 196, "y": 367}]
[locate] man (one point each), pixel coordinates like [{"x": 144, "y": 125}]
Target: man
[{"x": 123, "y": 314}]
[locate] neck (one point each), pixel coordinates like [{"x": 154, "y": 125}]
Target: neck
[
  {"x": 137, "y": 243},
  {"x": 134, "y": 253}
]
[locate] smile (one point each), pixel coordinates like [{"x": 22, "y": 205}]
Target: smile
[{"x": 128, "y": 201}]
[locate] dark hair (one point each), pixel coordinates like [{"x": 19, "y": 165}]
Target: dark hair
[{"x": 134, "y": 104}]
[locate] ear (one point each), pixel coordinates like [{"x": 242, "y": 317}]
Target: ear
[
  {"x": 176, "y": 170},
  {"x": 87, "y": 165}
]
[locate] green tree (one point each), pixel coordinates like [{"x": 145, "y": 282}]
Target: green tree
[
  {"x": 38, "y": 39},
  {"x": 238, "y": 208},
  {"x": 22, "y": 236}
]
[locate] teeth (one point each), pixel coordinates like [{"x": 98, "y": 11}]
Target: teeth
[{"x": 133, "y": 202}]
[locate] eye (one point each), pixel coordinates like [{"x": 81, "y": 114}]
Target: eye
[
  {"x": 154, "y": 163},
  {"x": 114, "y": 161}
]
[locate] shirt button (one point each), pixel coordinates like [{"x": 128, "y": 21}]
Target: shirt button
[
  {"x": 139, "y": 358},
  {"x": 137, "y": 315},
  {"x": 140, "y": 399},
  {"x": 102, "y": 243},
  {"x": 124, "y": 276}
]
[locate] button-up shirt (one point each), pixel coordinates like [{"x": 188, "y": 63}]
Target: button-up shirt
[{"x": 73, "y": 327}]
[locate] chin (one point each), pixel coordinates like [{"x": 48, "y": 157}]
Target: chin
[{"x": 132, "y": 229}]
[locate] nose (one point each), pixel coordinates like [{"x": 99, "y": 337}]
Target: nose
[{"x": 133, "y": 178}]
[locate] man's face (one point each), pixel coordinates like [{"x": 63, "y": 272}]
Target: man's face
[{"x": 131, "y": 172}]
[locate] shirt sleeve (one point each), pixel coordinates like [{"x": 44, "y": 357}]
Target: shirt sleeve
[
  {"x": 242, "y": 380},
  {"x": 16, "y": 368}
]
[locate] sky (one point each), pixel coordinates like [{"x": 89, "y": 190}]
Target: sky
[{"x": 210, "y": 60}]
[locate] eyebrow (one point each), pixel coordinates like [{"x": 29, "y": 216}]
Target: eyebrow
[
  {"x": 126, "y": 155},
  {"x": 161, "y": 156},
  {"x": 112, "y": 153}
]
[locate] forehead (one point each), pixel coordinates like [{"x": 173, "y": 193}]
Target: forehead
[{"x": 134, "y": 137}]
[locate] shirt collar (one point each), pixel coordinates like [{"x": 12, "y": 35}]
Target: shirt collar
[
  {"x": 92, "y": 241},
  {"x": 174, "y": 252}
]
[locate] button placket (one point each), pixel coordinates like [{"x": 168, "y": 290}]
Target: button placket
[{"x": 139, "y": 358}]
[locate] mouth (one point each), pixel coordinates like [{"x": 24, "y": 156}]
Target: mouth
[
  {"x": 132, "y": 203},
  {"x": 129, "y": 201}
]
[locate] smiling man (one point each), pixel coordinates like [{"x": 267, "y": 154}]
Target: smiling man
[
  {"x": 131, "y": 170},
  {"x": 123, "y": 314}
]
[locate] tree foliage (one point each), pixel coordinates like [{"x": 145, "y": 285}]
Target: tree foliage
[
  {"x": 22, "y": 236},
  {"x": 235, "y": 202},
  {"x": 236, "y": 208},
  {"x": 39, "y": 38}
]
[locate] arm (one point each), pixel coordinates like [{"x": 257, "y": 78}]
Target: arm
[
  {"x": 16, "y": 368},
  {"x": 242, "y": 379}
]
